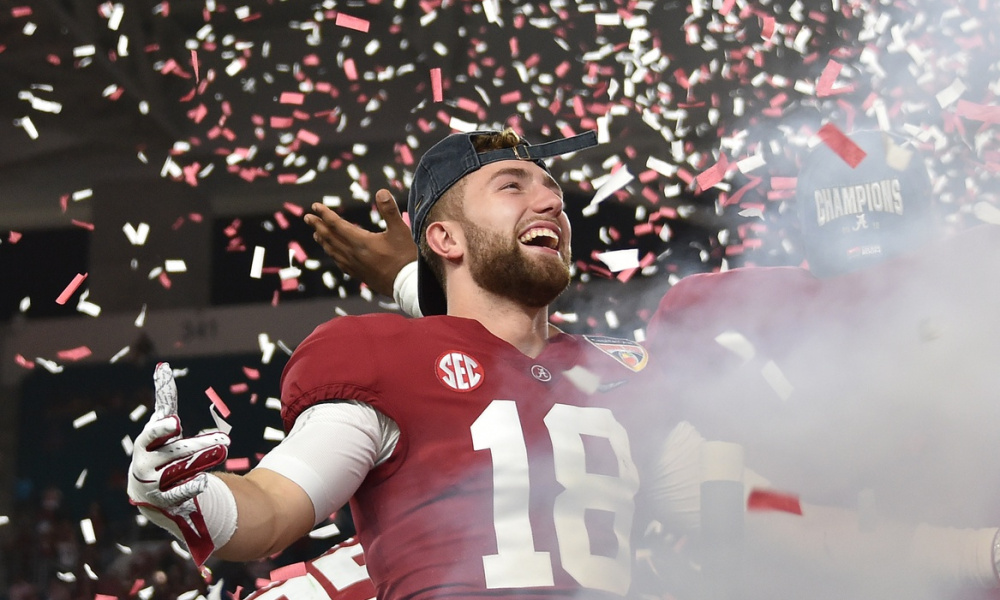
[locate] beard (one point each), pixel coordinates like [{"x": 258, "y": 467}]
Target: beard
[{"x": 498, "y": 265}]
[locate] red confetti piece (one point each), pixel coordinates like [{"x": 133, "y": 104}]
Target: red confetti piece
[
  {"x": 297, "y": 251},
  {"x": 165, "y": 280},
  {"x": 238, "y": 388},
  {"x": 308, "y": 137},
  {"x": 978, "y": 112},
  {"x": 288, "y": 571},
  {"x": 237, "y": 464},
  {"x": 13, "y": 237},
  {"x": 842, "y": 145},
  {"x": 437, "y": 93},
  {"x": 350, "y": 69},
  {"x": 20, "y": 11},
  {"x": 24, "y": 362},
  {"x": 350, "y": 22},
  {"x": 824, "y": 87},
  {"x": 74, "y": 353},
  {"x": 251, "y": 373},
  {"x": 217, "y": 401},
  {"x": 83, "y": 224},
  {"x": 295, "y": 209},
  {"x": 712, "y": 175},
  {"x": 292, "y": 98},
  {"x": 764, "y": 500},
  {"x": 73, "y": 285}
]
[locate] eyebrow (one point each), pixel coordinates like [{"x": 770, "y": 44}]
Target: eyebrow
[{"x": 522, "y": 173}]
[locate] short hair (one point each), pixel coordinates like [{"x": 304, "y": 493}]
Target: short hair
[{"x": 449, "y": 206}]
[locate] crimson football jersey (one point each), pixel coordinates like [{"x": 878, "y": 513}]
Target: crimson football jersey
[{"x": 512, "y": 476}]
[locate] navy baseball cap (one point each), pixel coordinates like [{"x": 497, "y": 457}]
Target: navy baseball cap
[
  {"x": 443, "y": 165},
  {"x": 856, "y": 216}
]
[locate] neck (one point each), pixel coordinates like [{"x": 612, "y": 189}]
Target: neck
[{"x": 525, "y": 328}]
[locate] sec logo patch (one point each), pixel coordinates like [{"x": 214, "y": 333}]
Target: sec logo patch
[{"x": 459, "y": 371}]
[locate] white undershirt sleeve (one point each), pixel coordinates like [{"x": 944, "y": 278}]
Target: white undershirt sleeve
[
  {"x": 330, "y": 450},
  {"x": 404, "y": 290}
]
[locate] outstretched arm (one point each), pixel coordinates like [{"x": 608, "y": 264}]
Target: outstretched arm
[
  {"x": 314, "y": 471},
  {"x": 374, "y": 258}
]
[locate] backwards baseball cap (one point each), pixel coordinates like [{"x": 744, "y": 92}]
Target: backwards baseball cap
[
  {"x": 856, "y": 216},
  {"x": 443, "y": 165}
]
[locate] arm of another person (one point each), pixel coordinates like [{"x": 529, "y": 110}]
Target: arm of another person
[
  {"x": 374, "y": 258},
  {"x": 826, "y": 539}
]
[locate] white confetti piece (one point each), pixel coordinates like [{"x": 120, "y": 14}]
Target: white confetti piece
[
  {"x": 85, "y": 419},
  {"x": 326, "y": 531},
  {"x": 986, "y": 212},
  {"x": 123, "y": 549},
  {"x": 128, "y": 445},
  {"x": 586, "y": 381},
  {"x": 751, "y": 163},
  {"x": 950, "y": 94},
  {"x": 619, "y": 260},
  {"x": 266, "y": 348},
  {"x": 777, "y": 380},
  {"x": 141, "y": 319},
  {"x": 28, "y": 127},
  {"x": 257, "y": 264},
  {"x": 87, "y": 528},
  {"x": 273, "y": 435},
  {"x": 67, "y": 577},
  {"x": 136, "y": 235},
  {"x": 137, "y": 413},
  {"x": 87, "y": 307},
  {"x": 84, "y": 194},
  {"x": 736, "y": 343},
  {"x": 80, "y": 479},
  {"x": 175, "y": 265},
  {"x": 118, "y": 355},
  {"x": 179, "y": 550},
  {"x": 615, "y": 182},
  {"x": 4, "y": 519}
]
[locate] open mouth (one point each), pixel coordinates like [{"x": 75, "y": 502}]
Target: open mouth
[{"x": 542, "y": 237}]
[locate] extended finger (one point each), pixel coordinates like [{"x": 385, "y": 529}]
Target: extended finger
[
  {"x": 166, "y": 390},
  {"x": 388, "y": 209},
  {"x": 158, "y": 432}
]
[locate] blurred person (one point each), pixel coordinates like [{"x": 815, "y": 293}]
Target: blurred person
[{"x": 483, "y": 451}]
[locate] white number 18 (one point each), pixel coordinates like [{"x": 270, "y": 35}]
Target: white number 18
[{"x": 517, "y": 564}]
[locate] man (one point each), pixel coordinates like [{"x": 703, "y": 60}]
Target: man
[{"x": 483, "y": 451}]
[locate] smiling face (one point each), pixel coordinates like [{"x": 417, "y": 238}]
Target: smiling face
[{"x": 517, "y": 235}]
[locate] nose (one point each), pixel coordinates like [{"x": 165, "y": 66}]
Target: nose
[{"x": 548, "y": 200}]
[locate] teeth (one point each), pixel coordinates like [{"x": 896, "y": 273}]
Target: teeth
[{"x": 534, "y": 233}]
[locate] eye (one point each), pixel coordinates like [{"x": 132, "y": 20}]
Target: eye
[{"x": 511, "y": 185}]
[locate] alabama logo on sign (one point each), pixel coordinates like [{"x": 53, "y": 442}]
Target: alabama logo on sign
[
  {"x": 459, "y": 371},
  {"x": 627, "y": 352}
]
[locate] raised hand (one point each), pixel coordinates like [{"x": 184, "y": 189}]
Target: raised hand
[
  {"x": 168, "y": 470},
  {"x": 373, "y": 257}
]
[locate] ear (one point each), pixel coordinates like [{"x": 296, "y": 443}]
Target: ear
[{"x": 446, "y": 239}]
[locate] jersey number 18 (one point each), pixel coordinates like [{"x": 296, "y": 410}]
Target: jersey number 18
[{"x": 517, "y": 564}]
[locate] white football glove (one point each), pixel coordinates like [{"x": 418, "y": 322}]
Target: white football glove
[{"x": 168, "y": 471}]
